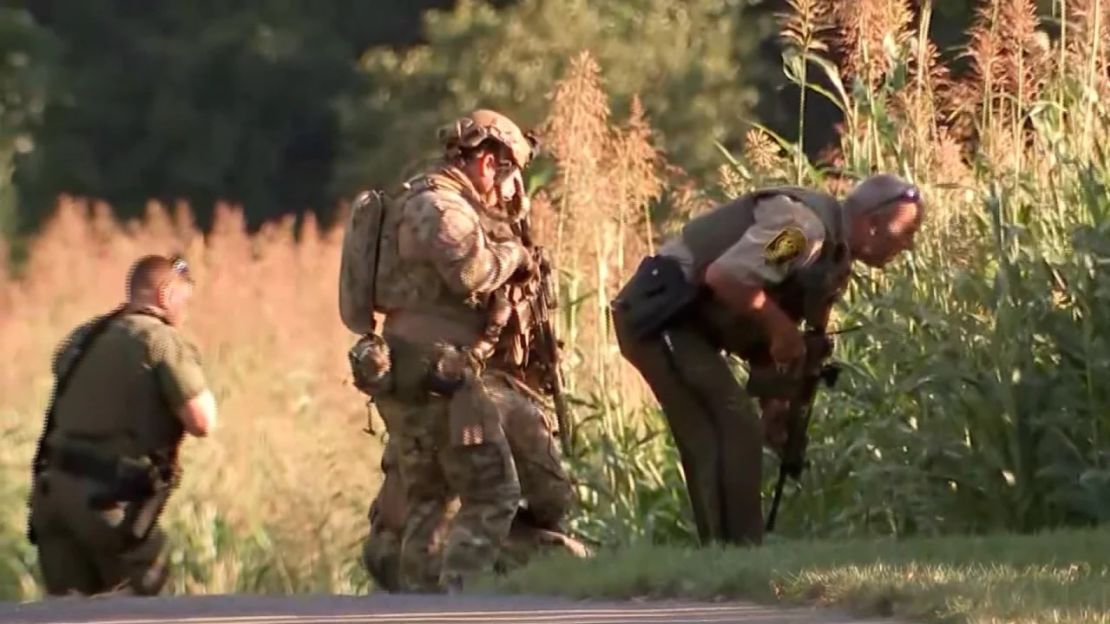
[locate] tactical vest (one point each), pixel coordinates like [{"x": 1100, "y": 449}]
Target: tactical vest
[
  {"x": 411, "y": 284},
  {"x": 804, "y": 294}
]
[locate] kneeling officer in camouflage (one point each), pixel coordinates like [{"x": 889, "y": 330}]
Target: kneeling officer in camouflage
[
  {"x": 435, "y": 267},
  {"x": 741, "y": 279},
  {"x": 545, "y": 490},
  {"x": 128, "y": 388}
]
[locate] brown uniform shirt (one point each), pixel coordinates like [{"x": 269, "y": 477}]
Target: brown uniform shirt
[{"x": 779, "y": 220}]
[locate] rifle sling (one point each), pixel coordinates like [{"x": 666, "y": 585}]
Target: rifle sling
[
  {"x": 38, "y": 462},
  {"x": 64, "y": 377}
]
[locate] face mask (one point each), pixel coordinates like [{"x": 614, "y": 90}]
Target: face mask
[
  {"x": 510, "y": 190},
  {"x": 505, "y": 181}
]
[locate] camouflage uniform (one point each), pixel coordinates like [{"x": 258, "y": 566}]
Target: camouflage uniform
[
  {"x": 545, "y": 489},
  {"x": 793, "y": 243},
  {"x": 449, "y": 436},
  {"x": 120, "y": 405}
]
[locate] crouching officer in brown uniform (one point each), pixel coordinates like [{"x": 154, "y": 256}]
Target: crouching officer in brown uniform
[
  {"x": 741, "y": 279},
  {"x": 128, "y": 387}
]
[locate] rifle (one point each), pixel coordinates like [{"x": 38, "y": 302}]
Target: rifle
[
  {"x": 793, "y": 461},
  {"x": 545, "y": 345}
]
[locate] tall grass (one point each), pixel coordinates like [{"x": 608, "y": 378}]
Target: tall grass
[
  {"x": 276, "y": 499},
  {"x": 613, "y": 198},
  {"x": 972, "y": 402}
]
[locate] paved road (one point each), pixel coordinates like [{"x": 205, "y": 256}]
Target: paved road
[{"x": 407, "y": 609}]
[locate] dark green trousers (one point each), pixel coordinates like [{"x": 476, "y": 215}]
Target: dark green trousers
[
  {"x": 714, "y": 424},
  {"x": 84, "y": 550}
]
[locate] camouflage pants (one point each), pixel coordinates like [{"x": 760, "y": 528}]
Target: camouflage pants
[
  {"x": 545, "y": 488},
  {"x": 84, "y": 550},
  {"x": 435, "y": 467},
  {"x": 544, "y": 484},
  {"x": 715, "y": 426},
  {"x": 382, "y": 547},
  {"x": 381, "y": 550}
]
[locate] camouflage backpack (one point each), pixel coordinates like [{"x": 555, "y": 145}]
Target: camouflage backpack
[{"x": 369, "y": 244}]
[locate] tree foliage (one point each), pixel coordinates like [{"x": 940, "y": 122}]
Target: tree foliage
[
  {"x": 203, "y": 100},
  {"x": 27, "y": 55},
  {"x": 286, "y": 106},
  {"x": 689, "y": 61}
]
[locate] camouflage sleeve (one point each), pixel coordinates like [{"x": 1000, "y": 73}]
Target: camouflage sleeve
[
  {"x": 176, "y": 362},
  {"x": 786, "y": 236},
  {"x": 446, "y": 231}
]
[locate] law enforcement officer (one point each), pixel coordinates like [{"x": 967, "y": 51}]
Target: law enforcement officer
[
  {"x": 445, "y": 403},
  {"x": 741, "y": 279},
  {"x": 128, "y": 388}
]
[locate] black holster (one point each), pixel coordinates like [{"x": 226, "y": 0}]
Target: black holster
[
  {"x": 142, "y": 483},
  {"x": 143, "y": 514},
  {"x": 657, "y": 294}
]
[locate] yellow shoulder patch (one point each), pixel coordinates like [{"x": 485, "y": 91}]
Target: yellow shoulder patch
[{"x": 785, "y": 246}]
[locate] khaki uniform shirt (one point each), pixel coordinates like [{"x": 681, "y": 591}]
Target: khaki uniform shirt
[{"x": 786, "y": 236}]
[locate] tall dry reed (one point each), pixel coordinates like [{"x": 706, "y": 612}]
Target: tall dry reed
[
  {"x": 288, "y": 460},
  {"x": 608, "y": 177}
]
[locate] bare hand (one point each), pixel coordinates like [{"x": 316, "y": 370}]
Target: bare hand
[
  {"x": 774, "y": 413},
  {"x": 787, "y": 348},
  {"x": 514, "y": 197},
  {"x": 819, "y": 346},
  {"x": 522, "y": 204}
]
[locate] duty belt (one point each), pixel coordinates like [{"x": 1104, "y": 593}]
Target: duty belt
[{"x": 129, "y": 478}]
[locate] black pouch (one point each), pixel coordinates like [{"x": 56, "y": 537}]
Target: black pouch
[
  {"x": 449, "y": 369},
  {"x": 136, "y": 479},
  {"x": 657, "y": 294},
  {"x": 146, "y": 489}
]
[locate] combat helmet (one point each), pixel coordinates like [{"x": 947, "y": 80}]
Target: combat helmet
[{"x": 470, "y": 130}]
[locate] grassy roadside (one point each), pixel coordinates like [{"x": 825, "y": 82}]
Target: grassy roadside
[{"x": 1061, "y": 577}]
